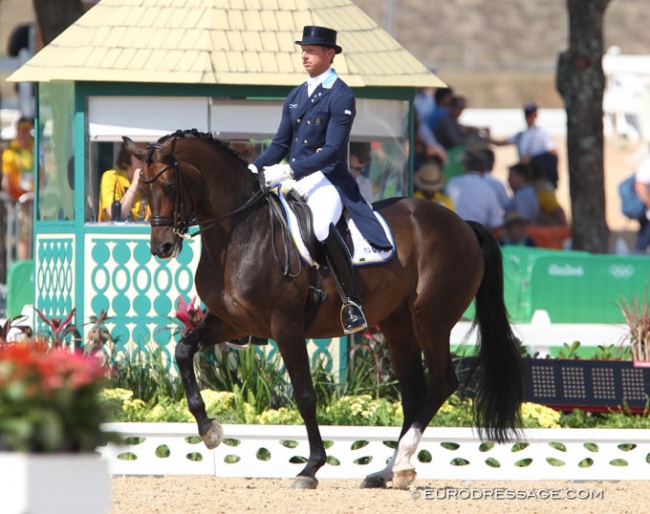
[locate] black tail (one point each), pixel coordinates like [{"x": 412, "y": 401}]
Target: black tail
[{"x": 500, "y": 388}]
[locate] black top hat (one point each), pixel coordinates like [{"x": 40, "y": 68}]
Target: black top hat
[{"x": 313, "y": 35}]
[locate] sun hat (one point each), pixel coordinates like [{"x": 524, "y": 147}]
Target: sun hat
[
  {"x": 429, "y": 177},
  {"x": 322, "y": 36}
]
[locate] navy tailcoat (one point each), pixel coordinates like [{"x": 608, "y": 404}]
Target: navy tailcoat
[{"x": 313, "y": 134}]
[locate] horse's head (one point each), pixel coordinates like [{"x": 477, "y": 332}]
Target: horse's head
[
  {"x": 189, "y": 177},
  {"x": 168, "y": 195}
]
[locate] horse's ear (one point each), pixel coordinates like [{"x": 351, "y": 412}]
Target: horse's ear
[{"x": 133, "y": 148}]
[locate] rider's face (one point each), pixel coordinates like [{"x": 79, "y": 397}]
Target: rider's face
[{"x": 316, "y": 59}]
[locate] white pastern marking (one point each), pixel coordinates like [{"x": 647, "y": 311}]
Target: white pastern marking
[{"x": 406, "y": 448}]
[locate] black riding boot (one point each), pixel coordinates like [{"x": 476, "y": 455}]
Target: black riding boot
[{"x": 338, "y": 258}]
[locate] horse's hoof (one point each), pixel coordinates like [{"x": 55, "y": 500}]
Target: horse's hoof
[
  {"x": 403, "y": 478},
  {"x": 304, "y": 483},
  {"x": 373, "y": 482},
  {"x": 213, "y": 437}
]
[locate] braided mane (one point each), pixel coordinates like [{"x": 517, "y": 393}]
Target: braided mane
[{"x": 204, "y": 136}]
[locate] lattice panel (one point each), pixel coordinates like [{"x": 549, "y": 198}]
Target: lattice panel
[
  {"x": 138, "y": 290},
  {"x": 55, "y": 274},
  {"x": 354, "y": 452}
]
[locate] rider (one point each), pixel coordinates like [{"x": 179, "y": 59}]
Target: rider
[{"x": 313, "y": 135}]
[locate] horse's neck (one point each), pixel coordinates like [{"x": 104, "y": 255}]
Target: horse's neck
[{"x": 227, "y": 186}]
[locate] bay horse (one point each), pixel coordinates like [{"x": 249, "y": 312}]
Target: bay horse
[{"x": 441, "y": 264}]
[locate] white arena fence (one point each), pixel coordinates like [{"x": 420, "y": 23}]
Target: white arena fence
[{"x": 274, "y": 451}]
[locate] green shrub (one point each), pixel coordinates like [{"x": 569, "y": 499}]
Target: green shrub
[{"x": 361, "y": 410}]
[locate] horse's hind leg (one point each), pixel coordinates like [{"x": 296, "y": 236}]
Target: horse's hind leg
[
  {"x": 442, "y": 382},
  {"x": 209, "y": 429},
  {"x": 406, "y": 358}
]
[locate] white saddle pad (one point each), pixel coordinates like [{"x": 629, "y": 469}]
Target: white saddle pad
[{"x": 364, "y": 253}]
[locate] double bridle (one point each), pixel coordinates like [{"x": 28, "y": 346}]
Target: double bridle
[{"x": 180, "y": 225}]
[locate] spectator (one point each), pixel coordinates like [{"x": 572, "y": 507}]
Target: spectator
[
  {"x": 358, "y": 162},
  {"x": 245, "y": 150},
  {"x": 428, "y": 146},
  {"x": 497, "y": 186},
  {"x": 430, "y": 181},
  {"x": 551, "y": 212},
  {"x": 642, "y": 188},
  {"x": 120, "y": 197},
  {"x": 450, "y": 132},
  {"x": 18, "y": 179},
  {"x": 535, "y": 144},
  {"x": 472, "y": 197},
  {"x": 442, "y": 96},
  {"x": 514, "y": 231},
  {"x": 524, "y": 198}
]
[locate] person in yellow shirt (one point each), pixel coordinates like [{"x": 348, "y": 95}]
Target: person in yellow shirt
[
  {"x": 120, "y": 197},
  {"x": 429, "y": 182},
  {"x": 18, "y": 179},
  {"x": 551, "y": 212},
  {"x": 18, "y": 161}
]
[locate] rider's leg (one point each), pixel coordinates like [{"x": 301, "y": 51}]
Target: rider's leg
[
  {"x": 327, "y": 207},
  {"x": 339, "y": 260}
]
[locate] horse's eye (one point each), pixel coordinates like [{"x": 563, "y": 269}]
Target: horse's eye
[{"x": 168, "y": 187}]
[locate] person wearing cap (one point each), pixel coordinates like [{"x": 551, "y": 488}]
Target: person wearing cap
[
  {"x": 429, "y": 182},
  {"x": 535, "y": 143},
  {"x": 18, "y": 179},
  {"x": 313, "y": 137},
  {"x": 514, "y": 231}
]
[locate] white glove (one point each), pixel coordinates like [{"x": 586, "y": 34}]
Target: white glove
[
  {"x": 253, "y": 168},
  {"x": 287, "y": 186},
  {"x": 306, "y": 185},
  {"x": 276, "y": 173}
]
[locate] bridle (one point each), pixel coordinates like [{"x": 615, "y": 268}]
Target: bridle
[{"x": 180, "y": 225}]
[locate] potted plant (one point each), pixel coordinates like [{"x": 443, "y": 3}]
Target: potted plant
[{"x": 50, "y": 426}]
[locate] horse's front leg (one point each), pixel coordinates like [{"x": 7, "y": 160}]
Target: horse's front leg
[
  {"x": 293, "y": 348},
  {"x": 210, "y": 327}
]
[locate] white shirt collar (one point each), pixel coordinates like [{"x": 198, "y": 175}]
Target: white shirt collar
[{"x": 314, "y": 82}]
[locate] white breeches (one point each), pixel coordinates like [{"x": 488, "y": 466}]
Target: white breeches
[{"x": 323, "y": 200}]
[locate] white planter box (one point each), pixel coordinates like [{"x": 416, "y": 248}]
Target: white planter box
[{"x": 54, "y": 483}]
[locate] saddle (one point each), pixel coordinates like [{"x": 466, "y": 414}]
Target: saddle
[{"x": 292, "y": 210}]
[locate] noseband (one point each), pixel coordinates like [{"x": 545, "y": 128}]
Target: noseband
[{"x": 179, "y": 224}]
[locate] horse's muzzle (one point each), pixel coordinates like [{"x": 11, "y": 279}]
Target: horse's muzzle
[{"x": 165, "y": 249}]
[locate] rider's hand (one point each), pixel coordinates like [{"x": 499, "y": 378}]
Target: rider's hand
[
  {"x": 276, "y": 173},
  {"x": 253, "y": 168},
  {"x": 287, "y": 186}
]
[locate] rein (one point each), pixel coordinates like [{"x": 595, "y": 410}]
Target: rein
[{"x": 181, "y": 226}]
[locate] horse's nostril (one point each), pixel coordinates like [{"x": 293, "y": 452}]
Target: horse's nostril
[{"x": 166, "y": 249}]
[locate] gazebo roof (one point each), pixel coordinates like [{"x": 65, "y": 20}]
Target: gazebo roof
[{"x": 230, "y": 42}]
